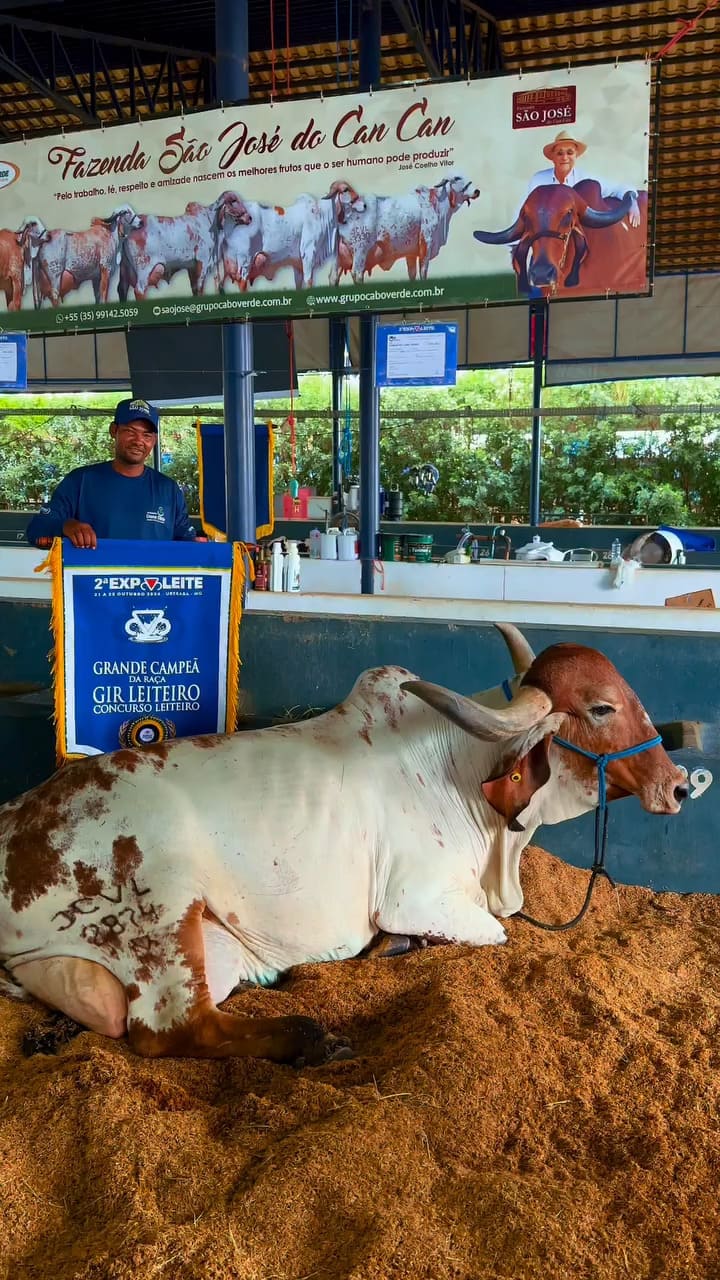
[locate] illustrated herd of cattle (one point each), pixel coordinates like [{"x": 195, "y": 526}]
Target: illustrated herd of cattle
[
  {"x": 237, "y": 241},
  {"x": 232, "y": 240}
]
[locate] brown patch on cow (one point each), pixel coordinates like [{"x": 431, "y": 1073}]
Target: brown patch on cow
[
  {"x": 232, "y": 918},
  {"x": 132, "y": 991},
  {"x": 151, "y": 954},
  {"x": 87, "y": 879},
  {"x": 127, "y": 858},
  {"x": 160, "y": 1004},
  {"x": 126, "y": 760},
  {"x": 279, "y": 209},
  {"x": 420, "y": 779},
  {"x": 365, "y": 735},
  {"x": 18, "y": 933},
  {"x": 82, "y": 775},
  {"x": 158, "y": 753},
  {"x": 391, "y": 711},
  {"x": 37, "y": 835},
  {"x": 94, "y": 807}
]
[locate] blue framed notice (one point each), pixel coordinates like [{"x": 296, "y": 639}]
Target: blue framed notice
[
  {"x": 13, "y": 361},
  {"x": 416, "y": 355}
]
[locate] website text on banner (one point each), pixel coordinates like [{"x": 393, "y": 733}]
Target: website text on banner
[
  {"x": 146, "y": 643},
  {"x": 471, "y": 192}
]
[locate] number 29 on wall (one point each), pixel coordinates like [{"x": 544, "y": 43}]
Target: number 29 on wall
[{"x": 700, "y": 780}]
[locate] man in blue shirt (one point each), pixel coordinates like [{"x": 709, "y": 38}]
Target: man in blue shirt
[{"x": 118, "y": 499}]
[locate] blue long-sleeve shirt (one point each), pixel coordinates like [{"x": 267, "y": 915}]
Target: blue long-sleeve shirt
[{"x": 150, "y": 506}]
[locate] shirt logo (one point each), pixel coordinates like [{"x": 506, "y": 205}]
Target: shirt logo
[{"x": 157, "y": 517}]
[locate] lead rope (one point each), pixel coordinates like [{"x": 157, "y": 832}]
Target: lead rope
[
  {"x": 601, "y": 820},
  {"x": 598, "y": 869}
]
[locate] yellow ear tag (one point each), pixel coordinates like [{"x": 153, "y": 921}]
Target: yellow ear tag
[{"x": 516, "y": 777}]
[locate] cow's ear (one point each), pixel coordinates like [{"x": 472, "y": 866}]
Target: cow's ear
[{"x": 512, "y": 791}]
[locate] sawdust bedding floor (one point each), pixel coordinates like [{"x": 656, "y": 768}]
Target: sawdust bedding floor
[{"x": 547, "y": 1110}]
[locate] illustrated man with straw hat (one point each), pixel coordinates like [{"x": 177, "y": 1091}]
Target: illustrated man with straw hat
[{"x": 563, "y": 151}]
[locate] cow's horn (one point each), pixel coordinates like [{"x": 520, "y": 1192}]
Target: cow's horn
[
  {"x": 520, "y": 651},
  {"x": 527, "y": 709},
  {"x": 502, "y": 237},
  {"x": 593, "y": 217}
]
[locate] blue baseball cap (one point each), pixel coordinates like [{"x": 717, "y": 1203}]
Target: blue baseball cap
[{"x": 136, "y": 411}]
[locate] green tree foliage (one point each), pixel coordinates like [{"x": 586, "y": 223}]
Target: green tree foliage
[{"x": 615, "y": 468}]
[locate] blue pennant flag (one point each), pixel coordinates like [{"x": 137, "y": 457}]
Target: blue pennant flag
[{"x": 146, "y": 642}]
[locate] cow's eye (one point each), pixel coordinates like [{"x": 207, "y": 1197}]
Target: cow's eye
[{"x": 602, "y": 709}]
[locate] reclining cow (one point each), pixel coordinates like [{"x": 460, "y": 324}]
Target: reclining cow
[{"x": 138, "y": 889}]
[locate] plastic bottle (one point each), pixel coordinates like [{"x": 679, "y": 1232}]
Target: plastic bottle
[
  {"x": 276, "y": 568},
  {"x": 314, "y": 540},
  {"x": 291, "y": 575},
  {"x": 616, "y": 551},
  {"x": 261, "y": 570}
]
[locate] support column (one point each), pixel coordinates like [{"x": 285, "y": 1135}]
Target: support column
[
  {"x": 538, "y": 352},
  {"x": 233, "y": 85},
  {"x": 337, "y": 366},
  {"x": 370, "y": 63},
  {"x": 369, "y": 455}
]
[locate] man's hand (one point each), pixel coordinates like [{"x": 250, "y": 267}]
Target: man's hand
[
  {"x": 634, "y": 215},
  {"x": 81, "y": 535}
]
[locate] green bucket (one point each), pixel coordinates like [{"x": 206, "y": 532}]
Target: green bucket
[
  {"x": 391, "y": 546},
  {"x": 418, "y": 547}
]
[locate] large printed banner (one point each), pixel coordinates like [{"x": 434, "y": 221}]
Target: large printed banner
[
  {"x": 146, "y": 642},
  {"x": 416, "y": 197}
]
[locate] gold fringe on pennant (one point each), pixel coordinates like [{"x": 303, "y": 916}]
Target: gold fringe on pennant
[
  {"x": 242, "y": 566},
  {"x": 263, "y": 530},
  {"x": 266, "y": 530},
  {"x": 217, "y": 535},
  {"x": 54, "y": 563}
]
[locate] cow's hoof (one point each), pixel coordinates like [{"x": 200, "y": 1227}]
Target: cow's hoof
[
  {"x": 388, "y": 945},
  {"x": 328, "y": 1049},
  {"x": 50, "y": 1035},
  {"x": 244, "y": 985}
]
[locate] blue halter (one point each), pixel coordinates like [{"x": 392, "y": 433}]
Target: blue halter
[
  {"x": 604, "y": 759},
  {"x": 601, "y": 760}
]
